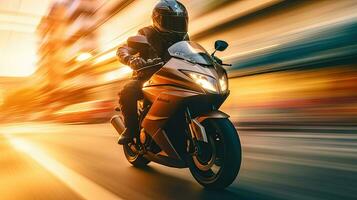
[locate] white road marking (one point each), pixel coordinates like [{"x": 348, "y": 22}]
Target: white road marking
[{"x": 83, "y": 186}]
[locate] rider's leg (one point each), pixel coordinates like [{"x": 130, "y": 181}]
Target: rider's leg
[{"x": 128, "y": 97}]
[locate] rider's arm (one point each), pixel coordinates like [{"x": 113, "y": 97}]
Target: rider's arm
[
  {"x": 125, "y": 54},
  {"x": 129, "y": 55}
]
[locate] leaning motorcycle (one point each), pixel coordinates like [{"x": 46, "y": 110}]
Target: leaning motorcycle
[{"x": 180, "y": 121}]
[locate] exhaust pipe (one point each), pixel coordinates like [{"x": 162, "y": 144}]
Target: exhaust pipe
[{"x": 118, "y": 124}]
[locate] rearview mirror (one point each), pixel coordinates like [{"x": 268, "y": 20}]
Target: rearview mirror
[
  {"x": 138, "y": 42},
  {"x": 220, "y": 45}
]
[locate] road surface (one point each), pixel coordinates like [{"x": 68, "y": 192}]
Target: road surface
[{"x": 54, "y": 161}]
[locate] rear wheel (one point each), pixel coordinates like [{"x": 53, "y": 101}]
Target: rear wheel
[
  {"x": 218, "y": 164},
  {"x": 133, "y": 156}
]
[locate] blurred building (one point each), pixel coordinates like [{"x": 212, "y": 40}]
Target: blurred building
[
  {"x": 292, "y": 60},
  {"x": 9, "y": 84},
  {"x": 78, "y": 41}
]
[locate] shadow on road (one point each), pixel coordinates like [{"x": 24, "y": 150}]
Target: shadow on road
[{"x": 174, "y": 187}]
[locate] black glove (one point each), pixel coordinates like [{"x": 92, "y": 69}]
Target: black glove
[{"x": 137, "y": 63}]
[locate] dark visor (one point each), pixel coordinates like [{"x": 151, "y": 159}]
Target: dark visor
[{"x": 174, "y": 23}]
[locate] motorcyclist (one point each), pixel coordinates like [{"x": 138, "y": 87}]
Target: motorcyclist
[{"x": 169, "y": 26}]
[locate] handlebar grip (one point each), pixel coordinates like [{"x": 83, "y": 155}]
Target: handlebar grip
[
  {"x": 153, "y": 61},
  {"x": 150, "y": 66},
  {"x": 229, "y": 65}
]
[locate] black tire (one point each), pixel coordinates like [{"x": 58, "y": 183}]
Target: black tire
[
  {"x": 137, "y": 160},
  {"x": 228, "y": 152}
]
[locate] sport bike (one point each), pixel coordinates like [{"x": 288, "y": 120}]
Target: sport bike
[{"x": 180, "y": 121}]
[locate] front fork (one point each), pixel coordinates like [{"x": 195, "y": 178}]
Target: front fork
[{"x": 197, "y": 134}]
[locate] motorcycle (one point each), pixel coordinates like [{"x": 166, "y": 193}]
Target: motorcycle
[{"x": 180, "y": 121}]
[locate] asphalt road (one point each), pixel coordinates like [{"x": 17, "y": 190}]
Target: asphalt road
[{"x": 53, "y": 161}]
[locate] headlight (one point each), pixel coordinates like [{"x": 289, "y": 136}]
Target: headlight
[
  {"x": 204, "y": 81},
  {"x": 223, "y": 83}
]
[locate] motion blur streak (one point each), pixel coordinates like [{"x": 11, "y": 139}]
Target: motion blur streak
[
  {"x": 311, "y": 97},
  {"x": 78, "y": 183},
  {"x": 293, "y": 98}
]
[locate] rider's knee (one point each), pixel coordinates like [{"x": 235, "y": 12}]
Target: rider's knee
[{"x": 129, "y": 92}]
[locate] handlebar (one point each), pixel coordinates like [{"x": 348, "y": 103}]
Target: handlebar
[
  {"x": 229, "y": 65},
  {"x": 152, "y": 63}
]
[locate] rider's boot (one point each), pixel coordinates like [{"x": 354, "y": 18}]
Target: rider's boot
[
  {"x": 125, "y": 137},
  {"x": 131, "y": 124},
  {"x": 128, "y": 105}
]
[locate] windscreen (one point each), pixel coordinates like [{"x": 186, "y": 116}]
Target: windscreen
[{"x": 191, "y": 52}]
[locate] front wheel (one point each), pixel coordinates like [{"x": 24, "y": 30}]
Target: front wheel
[{"x": 217, "y": 164}]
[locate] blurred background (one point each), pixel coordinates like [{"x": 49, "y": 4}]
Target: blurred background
[
  {"x": 293, "y": 81},
  {"x": 293, "y": 61}
]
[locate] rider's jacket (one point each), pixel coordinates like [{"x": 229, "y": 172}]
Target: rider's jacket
[{"x": 160, "y": 43}]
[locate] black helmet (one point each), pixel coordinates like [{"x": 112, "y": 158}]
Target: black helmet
[{"x": 170, "y": 16}]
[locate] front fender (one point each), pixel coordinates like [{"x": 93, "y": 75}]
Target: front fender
[
  {"x": 198, "y": 129},
  {"x": 216, "y": 114}
]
